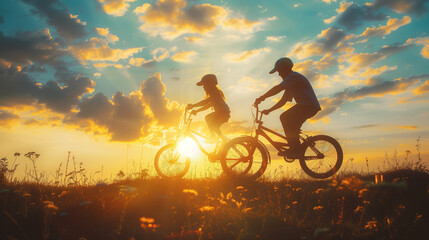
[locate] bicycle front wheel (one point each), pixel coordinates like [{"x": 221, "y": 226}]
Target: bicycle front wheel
[
  {"x": 169, "y": 163},
  {"x": 244, "y": 157},
  {"x": 323, "y": 156}
]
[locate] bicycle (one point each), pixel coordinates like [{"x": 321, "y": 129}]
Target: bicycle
[
  {"x": 173, "y": 162},
  {"x": 321, "y": 155}
]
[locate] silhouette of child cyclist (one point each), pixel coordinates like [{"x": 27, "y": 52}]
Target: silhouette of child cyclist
[
  {"x": 215, "y": 99},
  {"x": 298, "y": 87}
]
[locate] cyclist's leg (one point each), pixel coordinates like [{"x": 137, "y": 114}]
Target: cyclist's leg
[
  {"x": 210, "y": 120},
  {"x": 292, "y": 120},
  {"x": 215, "y": 120}
]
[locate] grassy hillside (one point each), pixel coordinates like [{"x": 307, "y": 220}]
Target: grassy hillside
[{"x": 348, "y": 207}]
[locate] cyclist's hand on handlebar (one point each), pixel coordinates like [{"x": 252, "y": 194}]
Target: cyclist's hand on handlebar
[
  {"x": 266, "y": 111},
  {"x": 189, "y": 106},
  {"x": 257, "y": 101},
  {"x": 194, "y": 112}
]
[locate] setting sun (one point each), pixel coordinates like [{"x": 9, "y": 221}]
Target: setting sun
[{"x": 188, "y": 148}]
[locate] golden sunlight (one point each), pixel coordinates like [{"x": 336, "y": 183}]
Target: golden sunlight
[{"x": 188, "y": 147}]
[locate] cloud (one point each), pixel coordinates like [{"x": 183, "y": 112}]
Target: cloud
[
  {"x": 369, "y": 72},
  {"x": 138, "y": 62},
  {"x": 359, "y": 61},
  {"x": 96, "y": 49},
  {"x": 410, "y": 127},
  {"x": 160, "y": 54},
  {"x": 184, "y": 56},
  {"x": 124, "y": 117},
  {"x": 67, "y": 25},
  {"x": 378, "y": 89},
  {"x": 329, "y": 1},
  {"x": 172, "y": 18},
  {"x": 424, "y": 88},
  {"x": 343, "y": 7},
  {"x": 17, "y": 88},
  {"x": 244, "y": 55},
  {"x": 421, "y": 41},
  {"x": 356, "y": 14},
  {"x": 402, "y": 6},
  {"x": 392, "y": 25},
  {"x": 8, "y": 118},
  {"x": 329, "y": 41},
  {"x": 193, "y": 39},
  {"x": 165, "y": 112},
  {"x": 106, "y": 33},
  {"x": 242, "y": 25},
  {"x": 274, "y": 38},
  {"x": 25, "y": 48},
  {"x": 129, "y": 117},
  {"x": 115, "y": 8}
]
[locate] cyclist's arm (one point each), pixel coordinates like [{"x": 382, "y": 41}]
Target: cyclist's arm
[
  {"x": 205, "y": 107},
  {"x": 280, "y": 103},
  {"x": 273, "y": 91},
  {"x": 201, "y": 103}
]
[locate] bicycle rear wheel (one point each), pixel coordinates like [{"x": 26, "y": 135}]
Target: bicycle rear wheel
[
  {"x": 169, "y": 163},
  {"x": 244, "y": 157},
  {"x": 323, "y": 156}
]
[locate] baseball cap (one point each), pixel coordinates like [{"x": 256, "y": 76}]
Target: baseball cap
[
  {"x": 208, "y": 79},
  {"x": 282, "y": 63}
]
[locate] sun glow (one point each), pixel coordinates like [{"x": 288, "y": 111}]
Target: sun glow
[{"x": 188, "y": 147}]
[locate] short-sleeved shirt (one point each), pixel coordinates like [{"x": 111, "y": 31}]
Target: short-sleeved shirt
[
  {"x": 298, "y": 87},
  {"x": 218, "y": 103}
]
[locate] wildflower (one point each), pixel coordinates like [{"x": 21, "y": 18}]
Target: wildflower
[
  {"x": 191, "y": 191},
  {"x": 206, "y": 209},
  {"x": 358, "y": 209},
  {"x": 148, "y": 223},
  {"x": 62, "y": 194},
  {"x": 50, "y": 205},
  {"x": 363, "y": 192},
  {"x": 246, "y": 210},
  {"x": 295, "y": 202},
  {"x": 239, "y": 187},
  {"x": 229, "y": 196},
  {"x": 238, "y": 204},
  {"x": 317, "y": 208},
  {"x": 371, "y": 225},
  {"x": 320, "y": 190}
]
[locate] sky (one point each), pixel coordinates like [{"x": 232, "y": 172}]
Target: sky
[{"x": 108, "y": 80}]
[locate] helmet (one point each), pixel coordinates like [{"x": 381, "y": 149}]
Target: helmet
[
  {"x": 209, "y": 79},
  {"x": 282, "y": 63}
]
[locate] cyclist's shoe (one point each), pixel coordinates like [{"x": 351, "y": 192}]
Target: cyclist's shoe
[{"x": 288, "y": 153}]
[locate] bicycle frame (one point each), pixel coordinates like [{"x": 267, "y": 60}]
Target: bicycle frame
[
  {"x": 187, "y": 132},
  {"x": 280, "y": 146}
]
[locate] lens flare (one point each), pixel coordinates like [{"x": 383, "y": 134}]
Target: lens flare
[{"x": 188, "y": 147}]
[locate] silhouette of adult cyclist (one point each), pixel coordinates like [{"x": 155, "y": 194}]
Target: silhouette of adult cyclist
[
  {"x": 295, "y": 86},
  {"x": 215, "y": 99}
]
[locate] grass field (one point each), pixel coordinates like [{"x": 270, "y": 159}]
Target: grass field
[{"x": 346, "y": 207}]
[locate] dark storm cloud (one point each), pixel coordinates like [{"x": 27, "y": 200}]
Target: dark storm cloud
[
  {"x": 331, "y": 37},
  {"x": 61, "y": 98},
  {"x": 59, "y": 17},
  {"x": 355, "y": 15},
  {"x": 124, "y": 116},
  {"x": 27, "y": 47},
  {"x": 17, "y": 88}
]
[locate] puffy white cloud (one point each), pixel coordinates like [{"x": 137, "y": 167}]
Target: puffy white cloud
[{"x": 115, "y": 8}]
